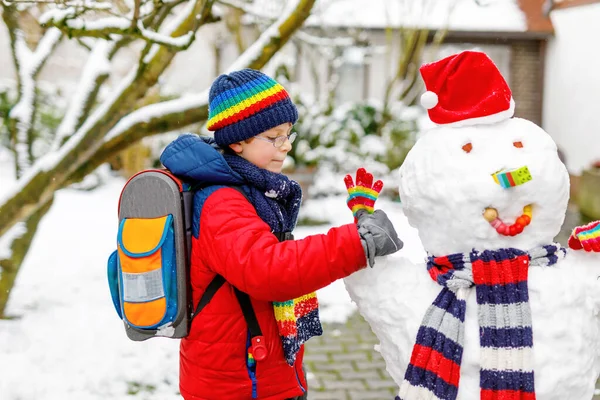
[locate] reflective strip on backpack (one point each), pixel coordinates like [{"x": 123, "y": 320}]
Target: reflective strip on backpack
[{"x": 139, "y": 288}]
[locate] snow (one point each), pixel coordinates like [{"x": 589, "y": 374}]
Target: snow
[
  {"x": 180, "y": 41},
  {"x": 96, "y": 66},
  {"x": 457, "y": 15},
  {"x": 147, "y": 113},
  {"x": 170, "y": 26},
  {"x": 571, "y": 82},
  {"x": 99, "y": 24},
  {"x": 56, "y": 15},
  {"x": 66, "y": 337}
]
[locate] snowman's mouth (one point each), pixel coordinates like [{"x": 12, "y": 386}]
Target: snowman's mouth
[{"x": 491, "y": 215}]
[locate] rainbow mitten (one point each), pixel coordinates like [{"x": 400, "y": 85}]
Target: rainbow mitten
[
  {"x": 364, "y": 194},
  {"x": 586, "y": 237}
]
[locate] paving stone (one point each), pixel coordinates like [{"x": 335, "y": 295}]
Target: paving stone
[
  {"x": 358, "y": 356},
  {"x": 333, "y": 367},
  {"x": 349, "y": 337},
  {"x": 316, "y": 357},
  {"x": 328, "y": 395},
  {"x": 344, "y": 385},
  {"x": 316, "y": 385},
  {"x": 329, "y": 375},
  {"x": 351, "y": 375},
  {"x": 370, "y": 365},
  {"x": 342, "y": 362},
  {"x": 326, "y": 348},
  {"x": 372, "y": 395},
  {"x": 364, "y": 346},
  {"x": 381, "y": 384}
]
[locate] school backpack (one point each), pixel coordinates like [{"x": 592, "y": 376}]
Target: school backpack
[{"x": 148, "y": 274}]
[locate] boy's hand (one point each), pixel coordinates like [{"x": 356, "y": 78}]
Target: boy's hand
[
  {"x": 364, "y": 194},
  {"x": 377, "y": 235},
  {"x": 586, "y": 237}
]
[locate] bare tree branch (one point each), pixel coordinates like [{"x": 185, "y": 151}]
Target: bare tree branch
[
  {"x": 136, "y": 13},
  {"x": 93, "y": 76},
  {"x": 177, "y": 114},
  {"x": 106, "y": 27},
  {"x": 27, "y": 65},
  {"x": 52, "y": 171}
]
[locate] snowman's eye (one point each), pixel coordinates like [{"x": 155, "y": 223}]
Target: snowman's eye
[
  {"x": 467, "y": 148},
  {"x": 518, "y": 145}
]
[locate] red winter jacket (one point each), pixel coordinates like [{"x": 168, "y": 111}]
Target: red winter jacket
[{"x": 237, "y": 244}]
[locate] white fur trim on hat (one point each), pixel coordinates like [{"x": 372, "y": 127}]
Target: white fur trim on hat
[{"x": 488, "y": 119}]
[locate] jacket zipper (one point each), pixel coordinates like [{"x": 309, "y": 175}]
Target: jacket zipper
[
  {"x": 252, "y": 373},
  {"x": 299, "y": 381}
]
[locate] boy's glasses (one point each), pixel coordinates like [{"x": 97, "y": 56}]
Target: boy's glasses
[{"x": 280, "y": 140}]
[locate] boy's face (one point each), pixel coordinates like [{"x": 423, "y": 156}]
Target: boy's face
[{"x": 260, "y": 150}]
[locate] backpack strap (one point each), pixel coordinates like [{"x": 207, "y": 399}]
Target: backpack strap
[
  {"x": 208, "y": 294},
  {"x": 243, "y": 298}
]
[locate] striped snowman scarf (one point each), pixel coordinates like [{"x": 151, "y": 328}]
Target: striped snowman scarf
[{"x": 505, "y": 331}]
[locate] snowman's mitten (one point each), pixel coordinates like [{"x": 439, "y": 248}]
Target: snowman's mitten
[
  {"x": 586, "y": 237},
  {"x": 377, "y": 234},
  {"x": 364, "y": 194}
]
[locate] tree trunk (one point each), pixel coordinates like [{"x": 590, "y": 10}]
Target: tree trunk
[{"x": 9, "y": 267}]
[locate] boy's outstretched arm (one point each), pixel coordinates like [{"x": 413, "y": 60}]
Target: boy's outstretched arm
[{"x": 241, "y": 248}]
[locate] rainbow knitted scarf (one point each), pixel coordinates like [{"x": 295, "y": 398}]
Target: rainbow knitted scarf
[
  {"x": 297, "y": 321},
  {"x": 505, "y": 330}
]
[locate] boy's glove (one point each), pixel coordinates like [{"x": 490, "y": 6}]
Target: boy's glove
[
  {"x": 377, "y": 234},
  {"x": 364, "y": 194},
  {"x": 586, "y": 237}
]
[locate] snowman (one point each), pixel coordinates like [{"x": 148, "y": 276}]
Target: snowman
[{"x": 497, "y": 310}]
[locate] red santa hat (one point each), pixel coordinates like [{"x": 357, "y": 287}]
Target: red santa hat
[{"x": 466, "y": 89}]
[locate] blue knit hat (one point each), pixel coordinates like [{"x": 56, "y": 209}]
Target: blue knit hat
[{"x": 246, "y": 103}]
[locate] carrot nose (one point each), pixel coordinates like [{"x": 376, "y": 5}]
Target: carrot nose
[{"x": 512, "y": 177}]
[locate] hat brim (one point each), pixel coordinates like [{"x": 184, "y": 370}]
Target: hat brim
[{"x": 275, "y": 115}]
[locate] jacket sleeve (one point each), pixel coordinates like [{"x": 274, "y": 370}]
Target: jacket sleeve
[{"x": 239, "y": 245}]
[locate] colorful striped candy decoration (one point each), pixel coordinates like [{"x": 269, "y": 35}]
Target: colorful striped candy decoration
[{"x": 512, "y": 177}]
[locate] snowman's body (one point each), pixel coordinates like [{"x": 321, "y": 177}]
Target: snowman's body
[
  {"x": 564, "y": 306},
  {"x": 444, "y": 189}
]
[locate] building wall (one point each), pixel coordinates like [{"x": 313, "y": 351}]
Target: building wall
[
  {"x": 359, "y": 82},
  {"x": 527, "y": 81},
  {"x": 572, "y": 84}
]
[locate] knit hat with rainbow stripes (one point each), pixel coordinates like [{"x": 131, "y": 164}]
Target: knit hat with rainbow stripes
[{"x": 246, "y": 103}]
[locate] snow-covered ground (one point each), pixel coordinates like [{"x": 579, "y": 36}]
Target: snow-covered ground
[{"x": 66, "y": 341}]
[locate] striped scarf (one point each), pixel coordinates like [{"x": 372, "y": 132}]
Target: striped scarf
[
  {"x": 297, "y": 321},
  {"x": 505, "y": 330}
]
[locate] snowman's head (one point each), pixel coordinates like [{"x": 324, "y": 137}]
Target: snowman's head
[
  {"x": 447, "y": 182},
  {"x": 480, "y": 180}
]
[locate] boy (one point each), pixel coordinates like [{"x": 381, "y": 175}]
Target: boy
[{"x": 237, "y": 235}]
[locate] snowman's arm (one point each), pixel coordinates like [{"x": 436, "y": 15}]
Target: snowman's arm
[{"x": 586, "y": 237}]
